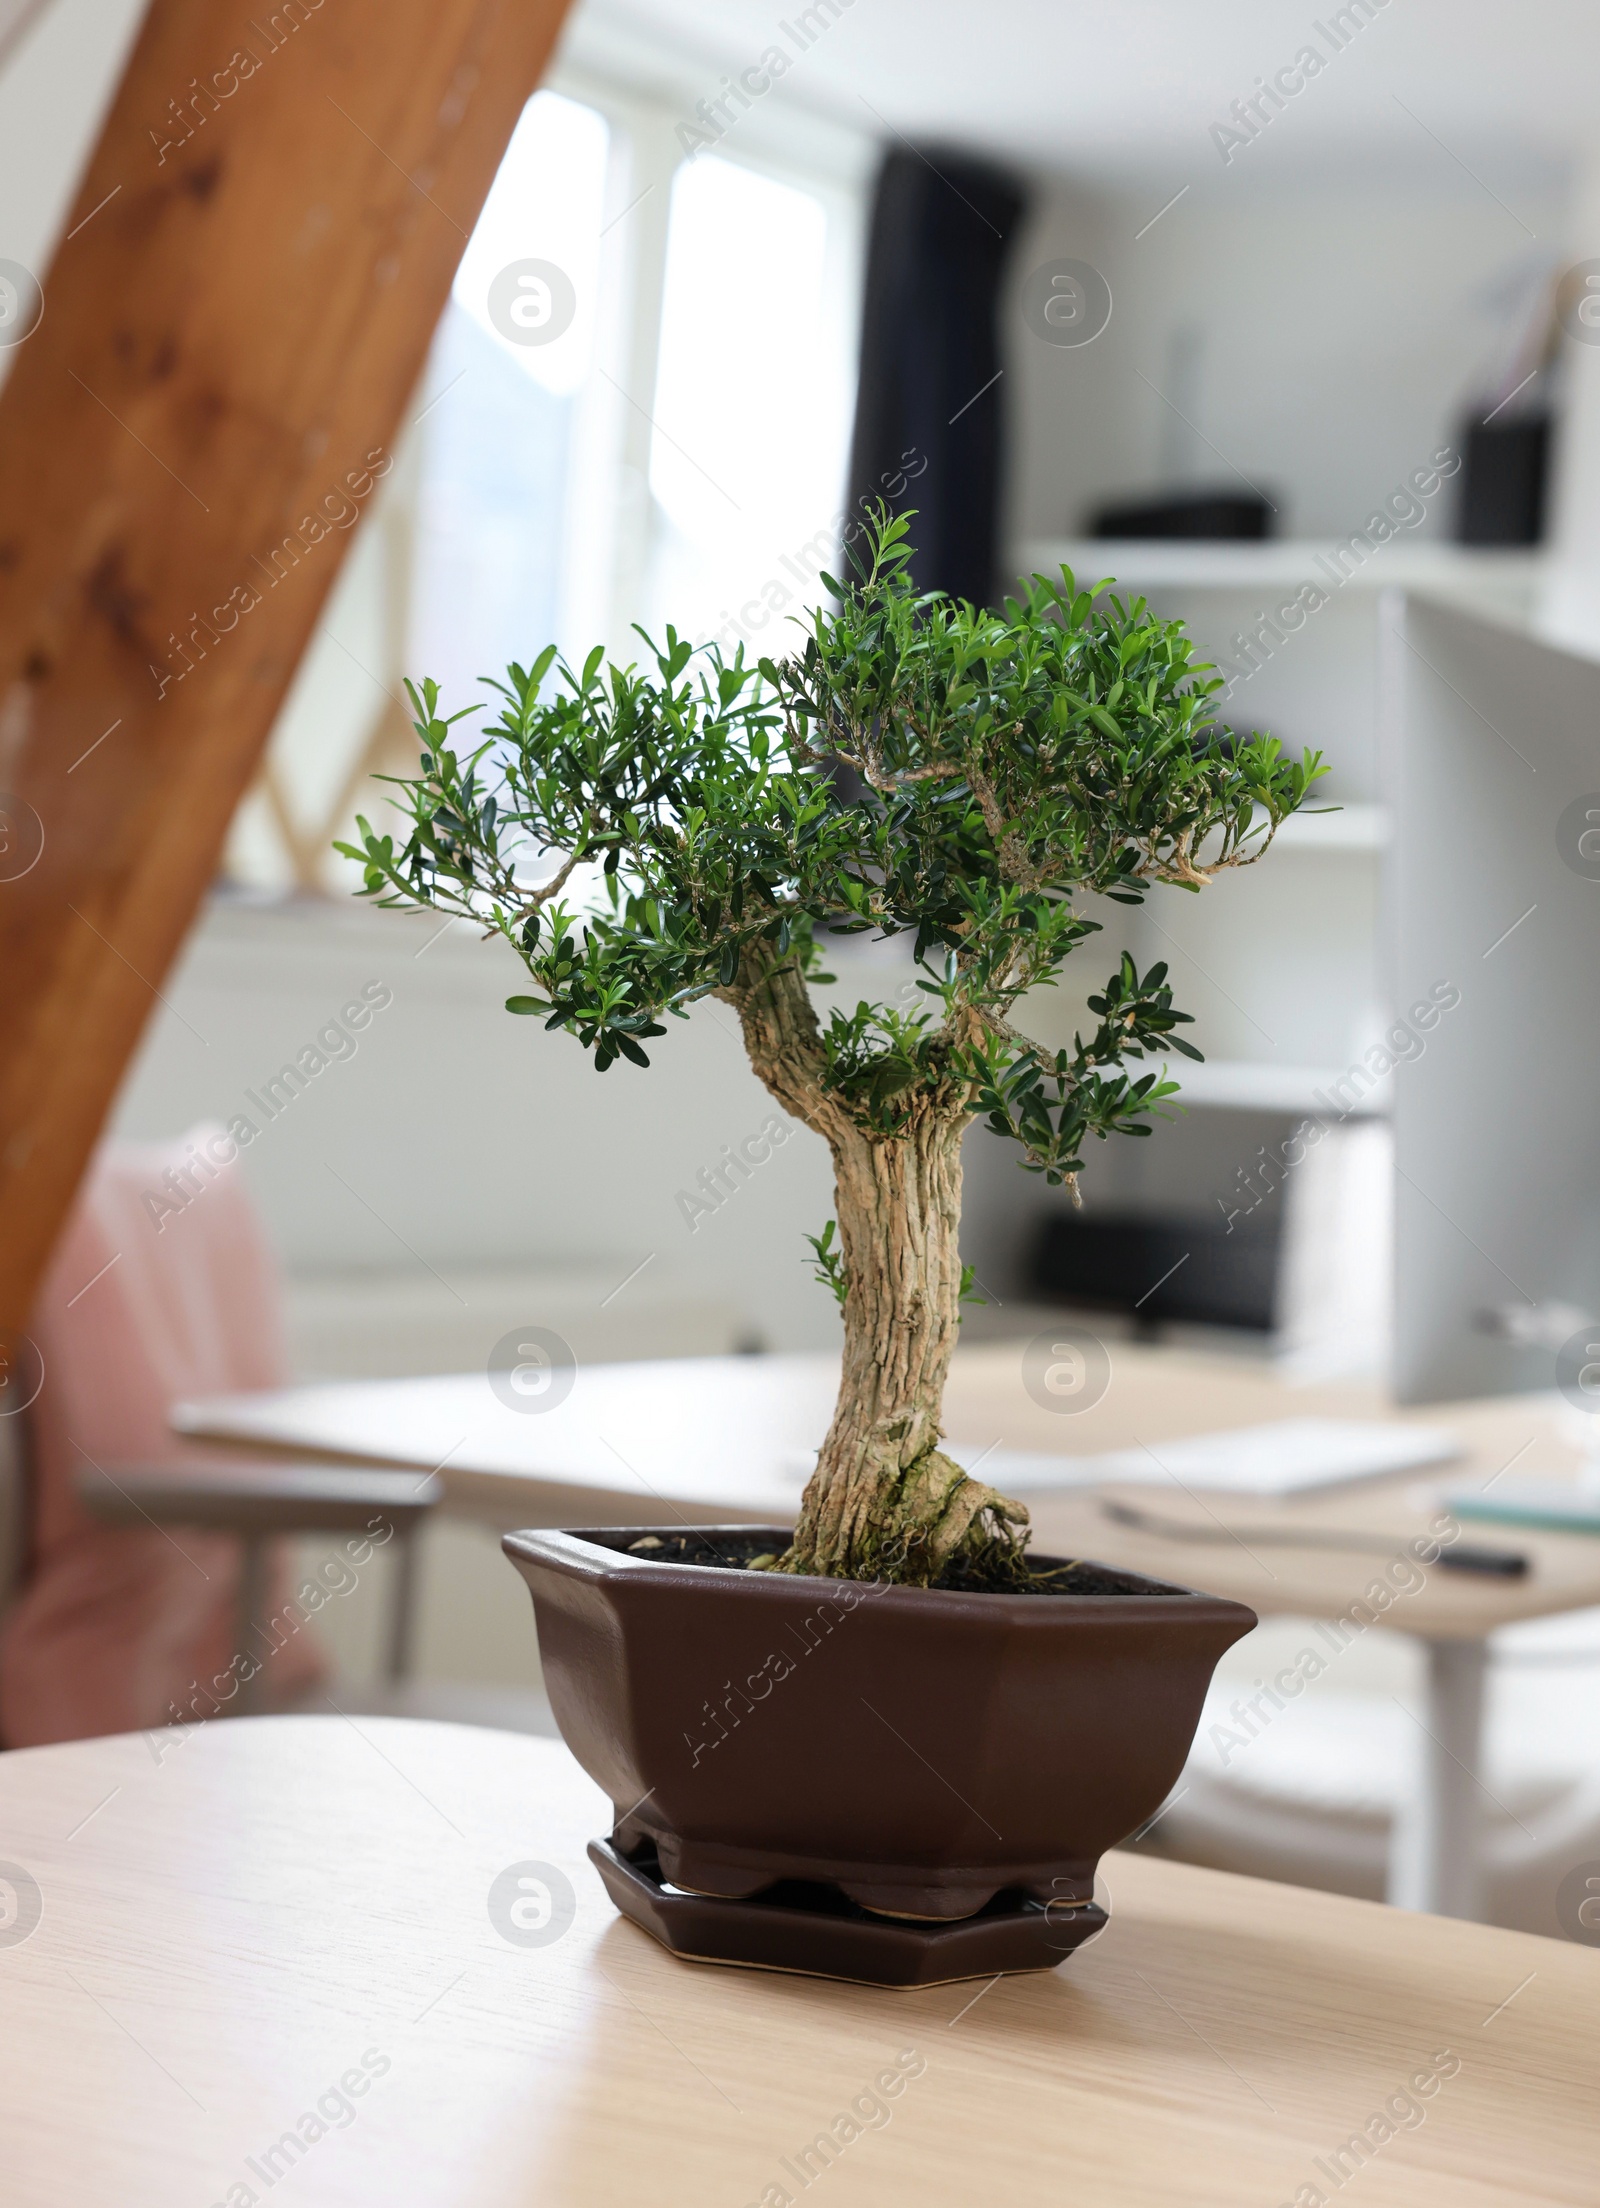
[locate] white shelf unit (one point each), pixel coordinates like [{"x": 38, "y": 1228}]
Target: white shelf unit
[
  {"x": 1352, "y": 827},
  {"x": 1279, "y": 963},
  {"x": 1249, "y": 1085},
  {"x": 1405, "y": 562}
]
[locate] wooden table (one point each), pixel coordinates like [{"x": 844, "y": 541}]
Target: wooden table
[
  {"x": 727, "y": 1439},
  {"x": 266, "y": 1950}
]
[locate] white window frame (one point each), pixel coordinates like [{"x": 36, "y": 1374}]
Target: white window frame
[{"x": 609, "y": 516}]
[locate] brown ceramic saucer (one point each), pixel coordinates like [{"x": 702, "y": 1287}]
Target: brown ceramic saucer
[{"x": 813, "y": 1929}]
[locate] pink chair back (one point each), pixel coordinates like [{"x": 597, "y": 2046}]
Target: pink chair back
[{"x": 162, "y": 1286}]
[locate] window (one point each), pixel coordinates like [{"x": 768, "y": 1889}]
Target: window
[
  {"x": 750, "y": 433},
  {"x": 636, "y": 409},
  {"x": 496, "y": 487}
]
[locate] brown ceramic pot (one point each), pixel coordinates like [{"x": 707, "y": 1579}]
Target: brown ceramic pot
[{"x": 919, "y": 1749}]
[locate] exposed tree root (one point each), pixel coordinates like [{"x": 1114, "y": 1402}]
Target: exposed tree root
[{"x": 919, "y": 1526}]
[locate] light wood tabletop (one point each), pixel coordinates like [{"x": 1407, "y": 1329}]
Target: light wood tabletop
[
  {"x": 729, "y": 1439},
  {"x": 268, "y": 1954}
]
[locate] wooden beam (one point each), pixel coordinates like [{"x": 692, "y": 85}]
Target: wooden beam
[{"x": 265, "y": 239}]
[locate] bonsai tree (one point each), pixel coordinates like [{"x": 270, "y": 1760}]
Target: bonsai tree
[{"x": 647, "y": 836}]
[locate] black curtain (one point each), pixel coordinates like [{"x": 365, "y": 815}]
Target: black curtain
[{"x": 930, "y": 408}]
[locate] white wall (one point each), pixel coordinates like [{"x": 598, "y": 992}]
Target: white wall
[{"x": 471, "y": 1139}]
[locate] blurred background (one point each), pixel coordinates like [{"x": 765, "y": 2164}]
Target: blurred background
[
  {"x": 1312, "y": 302},
  {"x": 1267, "y": 318}
]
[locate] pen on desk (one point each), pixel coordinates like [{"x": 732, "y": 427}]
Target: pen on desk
[{"x": 1461, "y": 1556}]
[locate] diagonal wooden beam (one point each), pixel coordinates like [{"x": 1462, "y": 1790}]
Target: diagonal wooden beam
[{"x": 265, "y": 239}]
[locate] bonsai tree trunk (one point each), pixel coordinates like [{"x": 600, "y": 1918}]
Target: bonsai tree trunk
[{"x": 885, "y": 1502}]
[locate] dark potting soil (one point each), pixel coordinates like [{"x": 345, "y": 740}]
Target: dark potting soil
[{"x": 739, "y": 1552}]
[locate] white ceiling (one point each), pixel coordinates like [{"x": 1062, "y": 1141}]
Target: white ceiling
[{"x": 1126, "y": 91}]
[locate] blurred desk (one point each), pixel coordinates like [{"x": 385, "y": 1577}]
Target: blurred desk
[
  {"x": 723, "y": 1439},
  {"x": 272, "y": 1953}
]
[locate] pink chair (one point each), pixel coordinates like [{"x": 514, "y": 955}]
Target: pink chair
[{"x": 163, "y": 1286}]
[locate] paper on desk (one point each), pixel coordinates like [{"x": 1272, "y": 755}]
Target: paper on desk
[{"x": 1291, "y": 1456}]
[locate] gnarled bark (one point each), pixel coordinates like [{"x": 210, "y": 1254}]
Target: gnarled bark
[{"x": 885, "y": 1502}]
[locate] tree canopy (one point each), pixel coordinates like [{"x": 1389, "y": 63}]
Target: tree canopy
[{"x": 648, "y": 835}]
